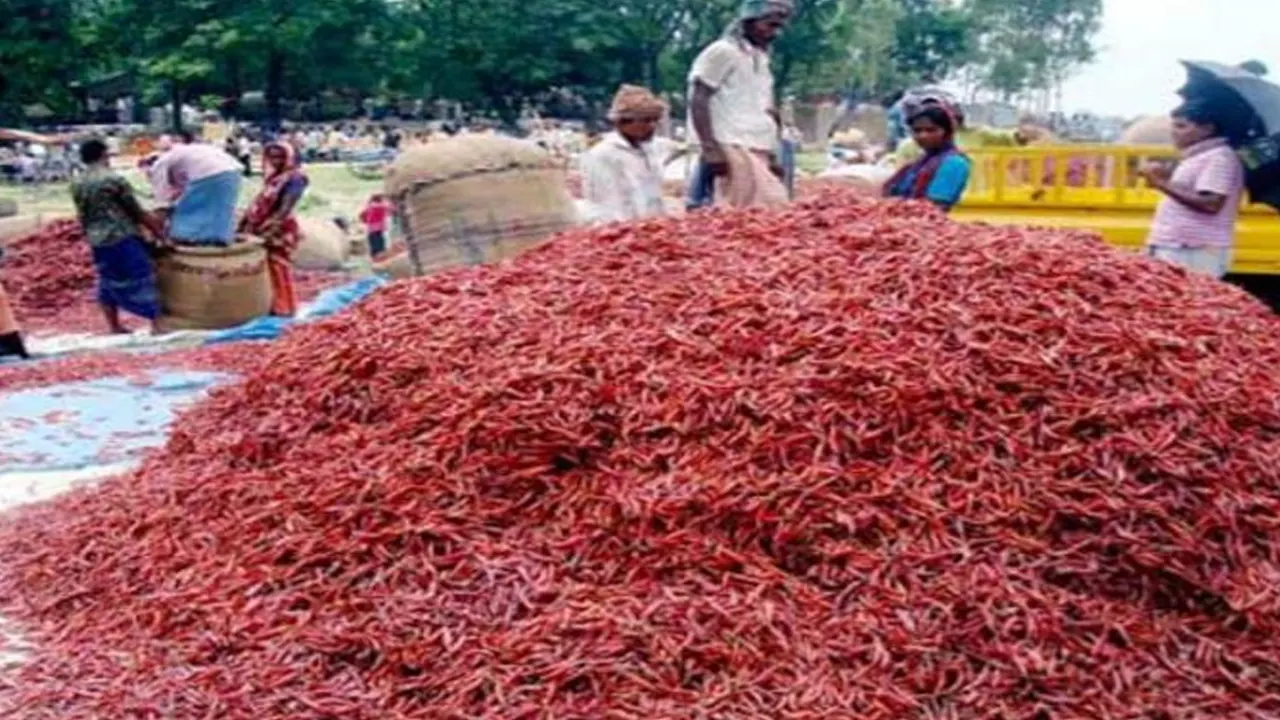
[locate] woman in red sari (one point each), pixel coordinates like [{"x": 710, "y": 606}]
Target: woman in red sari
[{"x": 270, "y": 217}]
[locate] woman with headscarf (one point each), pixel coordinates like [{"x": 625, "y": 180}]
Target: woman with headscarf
[
  {"x": 270, "y": 217},
  {"x": 942, "y": 172},
  {"x": 622, "y": 174},
  {"x": 732, "y": 112}
]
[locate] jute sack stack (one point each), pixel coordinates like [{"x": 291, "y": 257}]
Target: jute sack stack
[
  {"x": 1153, "y": 130},
  {"x": 208, "y": 288},
  {"x": 477, "y": 199},
  {"x": 19, "y": 225},
  {"x": 395, "y": 267},
  {"x": 322, "y": 245}
]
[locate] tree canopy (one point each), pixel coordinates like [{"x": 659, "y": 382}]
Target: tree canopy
[{"x": 321, "y": 58}]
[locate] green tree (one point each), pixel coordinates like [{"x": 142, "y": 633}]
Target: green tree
[
  {"x": 873, "y": 69},
  {"x": 642, "y": 32},
  {"x": 498, "y": 55},
  {"x": 814, "y": 54},
  {"x": 37, "y": 55},
  {"x": 1034, "y": 44},
  {"x": 932, "y": 39}
]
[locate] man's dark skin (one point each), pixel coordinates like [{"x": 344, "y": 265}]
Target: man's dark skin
[
  {"x": 638, "y": 131},
  {"x": 760, "y": 32},
  {"x": 1185, "y": 134}
]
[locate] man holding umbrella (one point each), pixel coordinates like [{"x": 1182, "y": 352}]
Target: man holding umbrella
[{"x": 1194, "y": 224}]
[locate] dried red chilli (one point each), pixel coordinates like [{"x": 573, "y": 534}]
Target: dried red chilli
[
  {"x": 232, "y": 358},
  {"x": 47, "y": 272},
  {"x": 846, "y": 460},
  {"x": 50, "y": 280}
]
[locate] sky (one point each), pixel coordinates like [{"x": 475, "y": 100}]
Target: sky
[{"x": 1137, "y": 70}]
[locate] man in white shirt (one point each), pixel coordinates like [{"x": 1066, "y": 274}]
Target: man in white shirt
[
  {"x": 622, "y": 174},
  {"x": 731, "y": 106}
]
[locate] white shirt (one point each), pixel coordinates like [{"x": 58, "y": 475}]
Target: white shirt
[
  {"x": 743, "y": 82},
  {"x": 185, "y": 164},
  {"x": 622, "y": 181}
]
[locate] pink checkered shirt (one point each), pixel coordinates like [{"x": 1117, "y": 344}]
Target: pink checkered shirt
[{"x": 1208, "y": 166}]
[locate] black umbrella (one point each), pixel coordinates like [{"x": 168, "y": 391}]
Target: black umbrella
[
  {"x": 1249, "y": 113},
  {"x": 1255, "y": 92}
]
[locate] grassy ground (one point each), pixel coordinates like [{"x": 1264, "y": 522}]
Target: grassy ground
[
  {"x": 334, "y": 191},
  {"x": 811, "y": 162}
]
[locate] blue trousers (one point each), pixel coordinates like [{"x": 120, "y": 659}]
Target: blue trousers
[
  {"x": 787, "y": 157},
  {"x": 702, "y": 187}
]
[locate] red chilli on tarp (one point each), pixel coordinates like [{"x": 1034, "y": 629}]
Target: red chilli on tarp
[
  {"x": 48, "y": 271},
  {"x": 843, "y": 460}
]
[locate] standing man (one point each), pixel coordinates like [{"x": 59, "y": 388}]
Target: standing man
[
  {"x": 1195, "y": 222},
  {"x": 731, "y": 106},
  {"x": 622, "y": 174},
  {"x": 114, "y": 224}
]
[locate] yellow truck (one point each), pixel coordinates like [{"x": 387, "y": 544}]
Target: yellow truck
[{"x": 1095, "y": 187}]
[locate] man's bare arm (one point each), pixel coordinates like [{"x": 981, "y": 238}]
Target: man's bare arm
[
  {"x": 1159, "y": 177},
  {"x": 1206, "y": 203},
  {"x": 700, "y": 109}
]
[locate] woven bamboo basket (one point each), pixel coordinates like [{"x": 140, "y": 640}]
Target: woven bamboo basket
[
  {"x": 477, "y": 199},
  {"x": 213, "y": 287}
]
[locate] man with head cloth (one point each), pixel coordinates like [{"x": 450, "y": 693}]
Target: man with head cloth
[
  {"x": 731, "y": 106},
  {"x": 622, "y": 174}
]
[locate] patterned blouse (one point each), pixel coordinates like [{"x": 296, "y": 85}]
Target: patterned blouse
[{"x": 106, "y": 205}]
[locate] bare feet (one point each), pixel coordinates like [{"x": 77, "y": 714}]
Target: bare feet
[{"x": 112, "y": 315}]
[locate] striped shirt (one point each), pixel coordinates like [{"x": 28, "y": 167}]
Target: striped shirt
[{"x": 1210, "y": 166}]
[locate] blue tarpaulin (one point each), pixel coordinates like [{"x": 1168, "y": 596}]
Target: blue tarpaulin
[
  {"x": 84, "y": 424},
  {"x": 95, "y": 422},
  {"x": 326, "y": 303}
]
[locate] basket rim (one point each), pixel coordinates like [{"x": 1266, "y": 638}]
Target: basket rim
[{"x": 244, "y": 245}]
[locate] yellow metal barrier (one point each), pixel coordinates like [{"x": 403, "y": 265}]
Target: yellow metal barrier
[{"x": 1095, "y": 187}]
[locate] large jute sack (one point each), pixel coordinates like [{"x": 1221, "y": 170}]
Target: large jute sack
[
  {"x": 214, "y": 287},
  {"x": 476, "y": 199},
  {"x": 872, "y": 121},
  {"x": 19, "y": 225},
  {"x": 357, "y": 246},
  {"x": 396, "y": 267},
  {"x": 321, "y": 246},
  {"x": 1154, "y": 130}
]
